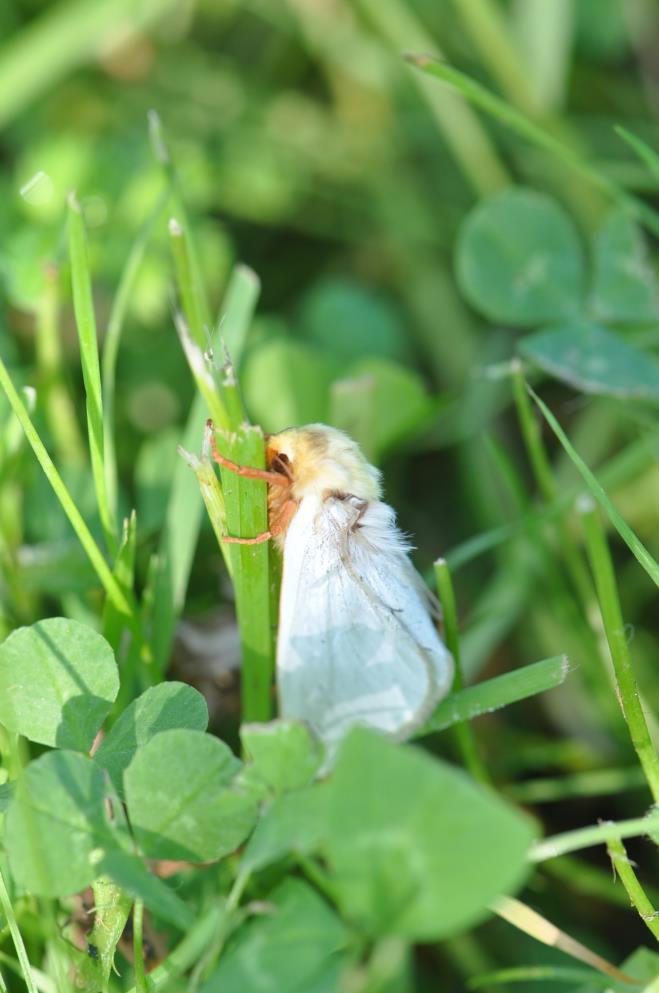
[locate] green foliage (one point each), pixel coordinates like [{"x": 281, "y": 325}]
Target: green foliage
[
  {"x": 519, "y": 260},
  {"x": 427, "y": 239},
  {"x": 58, "y": 680},
  {"x": 405, "y": 841}
]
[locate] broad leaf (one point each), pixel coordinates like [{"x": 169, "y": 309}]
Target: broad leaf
[
  {"x": 624, "y": 283},
  {"x": 294, "y": 824},
  {"x": 58, "y": 680},
  {"x": 519, "y": 260},
  {"x": 56, "y": 819},
  {"x": 417, "y": 848},
  {"x": 180, "y": 797},
  {"x": 282, "y": 755},
  {"x": 594, "y": 360},
  {"x": 160, "y": 708},
  {"x": 292, "y": 947}
]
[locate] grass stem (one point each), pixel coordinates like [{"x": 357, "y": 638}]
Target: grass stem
[
  {"x": 623, "y": 867},
  {"x": 464, "y": 734},
  {"x": 627, "y": 689}
]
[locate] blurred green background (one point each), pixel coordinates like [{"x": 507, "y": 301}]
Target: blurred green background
[{"x": 307, "y": 148}]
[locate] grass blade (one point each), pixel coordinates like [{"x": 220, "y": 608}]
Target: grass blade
[
  {"x": 463, "y": 731},
  {"x": 103, "y": 571},
  {"x": 644, "y": 152},
  {"x": 492, "y": 694},
  {"x": 609, "y": 605},
  {"x": 633, "y": 542},
  {"x": 521, "y": 125},
  {"x": 247, "y": 516},
  {"x": 17, "y": 938},
  {"x": 112, "y": 341},
  {"x": 83, "y": 306},
  {"x": 533, "y": 973}
]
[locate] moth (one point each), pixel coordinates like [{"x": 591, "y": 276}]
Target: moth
[{"x": 356, "y": 642}]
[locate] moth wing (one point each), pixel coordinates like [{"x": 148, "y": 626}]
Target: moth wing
[{"x": 356, "y": 642}]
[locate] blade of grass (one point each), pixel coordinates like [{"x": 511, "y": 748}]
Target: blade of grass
[
  {"x": 609, "y": 603},
  {"x": 103, "y": 571},
  {"x": 17, "y": 938},
  {"x": 633, "y": 542},
  {"x": 644, "y": 152},
  {"x": 534, "y": 973},
  {"x": 184, "y": 507},
  {"x": 639, "y": 898},
  {"x": 60, "y": 411},
  {"x": 595, "y": 782},
  {"x": 464, "y": 735},
  {"x": 238, "y": 307},
  {"x": 538, "y": 927},
  {"x": 113, "y": 622},
  {"x": 112, "y": 341},
  {"x": 599, "y": 834},
  {"x": 65, "y": 35},
  {"x": 521, "y": 125},
  {"x": 247, "y": 516},
  {"x": 492, "y": 694},
  {"x": 469, "y": 142},
  {"x": 83, "y": 306}
]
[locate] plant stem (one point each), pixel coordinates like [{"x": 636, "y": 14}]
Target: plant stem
[
  {"x": 138, "y": 948},
  {"x": 602, "y": 567},
  {"x": 572, "y": 841},
  {"x": 464, "y": 735},
  {"x": 640, "y": 900}
]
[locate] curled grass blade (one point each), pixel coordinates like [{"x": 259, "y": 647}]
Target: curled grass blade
[{"x": 633, "y": 542}]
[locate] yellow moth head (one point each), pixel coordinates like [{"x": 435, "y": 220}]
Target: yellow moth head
[{"x": 323, "y": 460}]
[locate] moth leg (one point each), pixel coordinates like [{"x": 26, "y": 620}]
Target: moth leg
[
  {"x": 279, "y": 524},
  {"x": 244, "y": 470}
]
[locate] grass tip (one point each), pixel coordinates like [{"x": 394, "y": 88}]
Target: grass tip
[
  {"x": 30, "y": 397},
  {"x": 175, "y": 228},
  {"x": 188, "y": 457},
  {"x": 248, "y": 273},
  {"x": 158, "y": 143}
]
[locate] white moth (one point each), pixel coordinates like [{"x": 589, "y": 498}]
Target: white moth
[{"x": 356, "y": 641}]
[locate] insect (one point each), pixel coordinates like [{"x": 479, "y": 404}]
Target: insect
[{"x": 356, "y": 642}]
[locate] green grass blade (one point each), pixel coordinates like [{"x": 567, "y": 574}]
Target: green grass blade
[
  {"x": 521, "y": 125},
  {"x": 237, "y": 310},
  {"x": 247, "y": 516},
  {"x": 103, "y": 571},
  {"x": 644, "y": 152},
  {"x": 633, "y": 542},
  {"x": 17, "y": 938},
  {"x": 492, "y": 694},
  {"x": 595, "y": 782},
  {"x": 83, "y": 306},
  {"x": 113, "y": 340},
  {"x": 67, "y": 439},
  {"x": 113, "y": 622},
  {"x": 609, "y": 604},
  {"x": 184, "y": 507},
  {"x": 464, "y": 735},
  {"x": 599, "y": 834},
  {"x": 536, "y": 973},
  {"x": 64, "y": 36}
]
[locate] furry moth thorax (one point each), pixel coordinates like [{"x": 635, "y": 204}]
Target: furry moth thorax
[{"x": 321, "y": 461}]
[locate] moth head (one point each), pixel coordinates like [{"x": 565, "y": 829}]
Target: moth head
[{"x": 321, "y": 460}]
